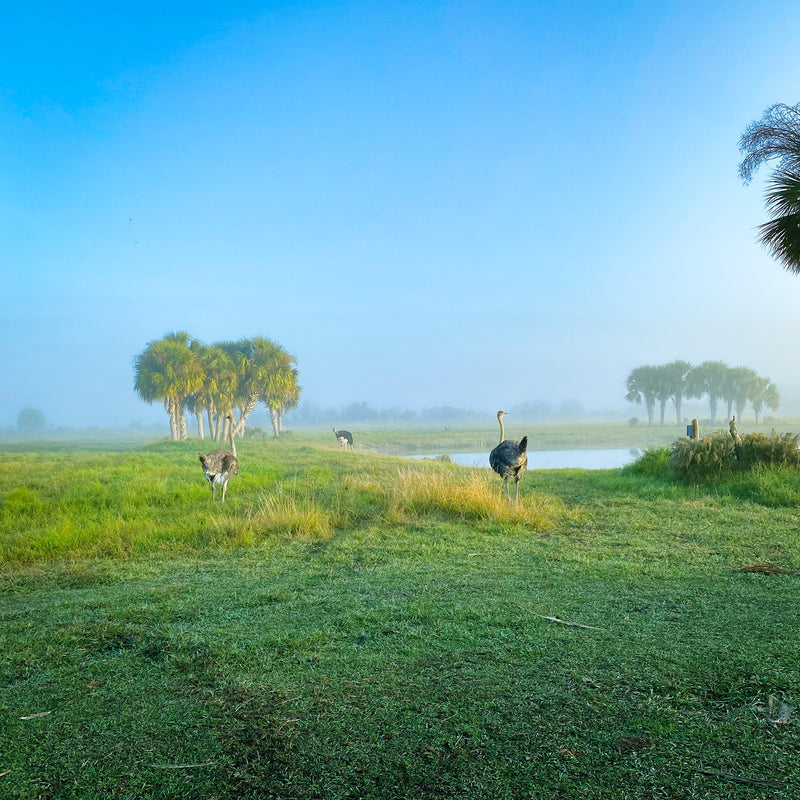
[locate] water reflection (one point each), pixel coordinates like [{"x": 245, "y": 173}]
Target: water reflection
[{"x": 609, "y": 458}]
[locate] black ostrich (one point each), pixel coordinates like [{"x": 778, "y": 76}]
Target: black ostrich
[
  {"x": 219, "y": 466},
  {"x": 509, "y": 459},
  {"x": 345, "y": 439}
]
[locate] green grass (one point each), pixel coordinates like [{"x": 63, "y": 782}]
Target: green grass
[{"x": 358, "y": 626}]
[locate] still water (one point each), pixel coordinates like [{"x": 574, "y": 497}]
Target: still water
[{"x": 557, "y": 459}]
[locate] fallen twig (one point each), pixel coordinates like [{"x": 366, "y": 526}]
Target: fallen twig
[
  {"x": 738, "y": 778},
  {"x": 571, "y": 624},
  {"x": 3, "y": 774},
  {"x": 183, "y": 766},
  {"x": 769, "y": 569},
  {"x": 37, "y": 716}
]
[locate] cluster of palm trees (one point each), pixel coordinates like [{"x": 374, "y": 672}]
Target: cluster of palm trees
[
  {"x": 679, "y": 380},
  {"x": 186, "y": 375}
]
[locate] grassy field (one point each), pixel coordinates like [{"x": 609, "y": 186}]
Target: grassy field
[{"x": 354, "y": 625}]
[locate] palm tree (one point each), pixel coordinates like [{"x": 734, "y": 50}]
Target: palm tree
[
  {"x": 217, "y": 394},
  {"x": 272, "y": 379},
  {"x": 763, "y": 392},
  {"x": 167, "y": 371},
  {"x": 243, "y": 354},
  {"x": 675, "y": 383},
  {"x": 642, "y": 386},
  {"x": 283, "y": 394},
  {"x": 738, "y": 389},
  {"x": 708, "y": 379},
  {"x": 777, "y": 136}
]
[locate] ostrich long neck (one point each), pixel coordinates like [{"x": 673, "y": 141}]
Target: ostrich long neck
[{"x": 502, "y": 430}]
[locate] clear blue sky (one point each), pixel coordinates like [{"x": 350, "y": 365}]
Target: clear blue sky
[{"x": 474, "y": 204}]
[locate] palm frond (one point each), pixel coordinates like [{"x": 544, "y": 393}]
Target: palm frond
[{"x": 781, "y": 235}]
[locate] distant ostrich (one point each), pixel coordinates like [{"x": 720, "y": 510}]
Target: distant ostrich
[
  {"x": 220, "y": 466},
  {"x": 345, "y": 439},
  {"x": 509, "y": 459}
]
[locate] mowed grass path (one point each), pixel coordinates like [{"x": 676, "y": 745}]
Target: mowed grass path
[{"x": 351, "y": 625}]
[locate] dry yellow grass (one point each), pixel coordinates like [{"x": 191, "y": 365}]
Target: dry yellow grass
[{"x": 468, "y": 495}]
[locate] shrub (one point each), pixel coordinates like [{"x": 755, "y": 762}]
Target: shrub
[
  {"x": 652, "y": 463},
  {"x": 772, "y": 451},
  {"x": 702, "y": 460},
  {"x": 710, "y": 458},
  {"x": 255, "y": 433}
]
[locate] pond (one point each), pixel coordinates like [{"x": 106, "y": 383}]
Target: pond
[{"x": 608, "y": 458}]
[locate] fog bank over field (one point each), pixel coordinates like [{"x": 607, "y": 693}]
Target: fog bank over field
[
  {"x": 466, "y": 205},
  {"x": 153, "y": 423}
]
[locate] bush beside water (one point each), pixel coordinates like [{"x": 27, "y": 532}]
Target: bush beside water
[{"x": 717, "y": 456}]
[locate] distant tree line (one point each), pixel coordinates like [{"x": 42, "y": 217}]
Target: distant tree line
[
  {"x": 216, "y": 380},
  {"x": 312, "y": 415},
  {"x": 679, "y": 380}
]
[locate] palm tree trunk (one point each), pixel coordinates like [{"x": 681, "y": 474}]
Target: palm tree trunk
[
  {"x": 244, "y": 413},
  {"x": 275, "y": 427},
  {"x": 168, "y": 406},
  {"x": 182, "y": 421},
  {"x": 226, "y": 426}
]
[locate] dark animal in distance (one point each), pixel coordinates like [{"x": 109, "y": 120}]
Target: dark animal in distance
[
  {"x": 509, "y": 459},
  {"x": 219, "y": 466},
  {"x": 345, "y": 439}
]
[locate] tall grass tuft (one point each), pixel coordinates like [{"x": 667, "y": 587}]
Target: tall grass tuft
[
  {"x": 775, "y": 450},
  {"x": 291, "y": 514},
  {"x": 466, "y": 495}
]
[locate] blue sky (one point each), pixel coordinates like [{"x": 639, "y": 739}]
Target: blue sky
[{"x": 428, "y": 203}]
